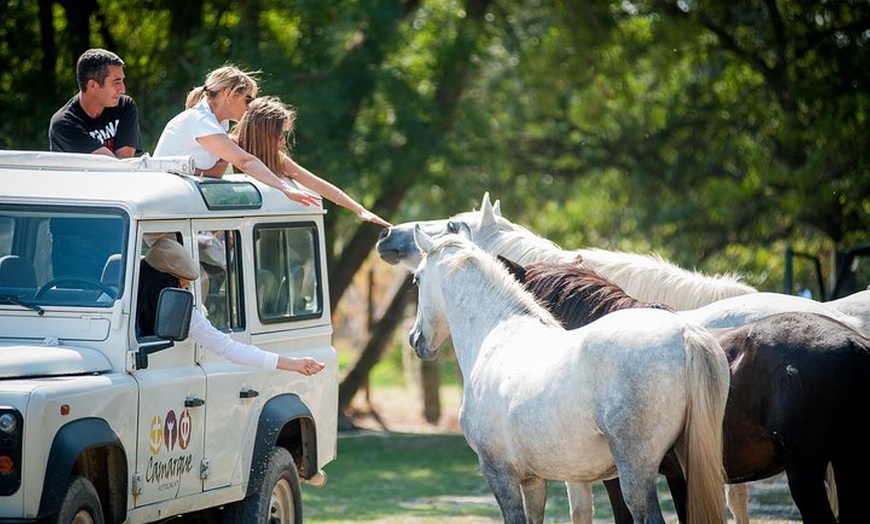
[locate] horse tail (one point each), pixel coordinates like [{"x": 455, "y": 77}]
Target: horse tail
[{"x": 708, "y": 380}]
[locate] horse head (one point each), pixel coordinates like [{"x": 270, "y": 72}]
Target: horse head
[
  {"x": 430, "y": 328},
  {"x": 396, "y": 245}
]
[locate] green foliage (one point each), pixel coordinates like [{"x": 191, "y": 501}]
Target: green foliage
[{"x": 716, "y": 134}]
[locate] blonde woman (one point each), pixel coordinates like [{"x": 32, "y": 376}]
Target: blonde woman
[
  {"x": 201, "y": 129},
  {"x": 263, "y": 132}
]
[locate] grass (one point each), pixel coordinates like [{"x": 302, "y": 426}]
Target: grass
[
  {"x": 412, "y": 475},
  {"x": 404, "y": 478},
  {"x": 391, "y": 477}
]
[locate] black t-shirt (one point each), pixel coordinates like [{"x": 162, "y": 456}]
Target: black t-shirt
[{"x": 72, "y": 131}]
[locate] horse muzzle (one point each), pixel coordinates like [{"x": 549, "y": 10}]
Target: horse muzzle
[{"x": 418, "y": 342}]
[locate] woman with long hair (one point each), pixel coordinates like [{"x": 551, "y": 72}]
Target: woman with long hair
[
  {"x": 264, "y": 130},
  {"x": 201, "y": 131}
]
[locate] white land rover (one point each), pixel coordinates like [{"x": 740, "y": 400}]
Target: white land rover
[{"x": 99, "y": 423}]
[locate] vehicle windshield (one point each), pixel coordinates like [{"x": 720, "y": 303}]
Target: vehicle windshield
[{"x": 61, "y": 256}]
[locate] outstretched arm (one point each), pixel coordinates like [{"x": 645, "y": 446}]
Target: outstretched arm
[
  {"x": 213, "y": 339},
  {"x": 222, "y": 146},
  {"x": 329, "y": 190}
]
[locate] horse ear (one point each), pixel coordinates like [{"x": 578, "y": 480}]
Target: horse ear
[
  {"x": 487, "y": 214},
  {"x": 423, "y": 240},
  {"x": 496, "y": 207},
  {"x": 517, "y": 270},
  {"x": 464, "y": 230}
]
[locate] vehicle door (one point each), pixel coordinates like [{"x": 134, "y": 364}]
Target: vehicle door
[
  {"x": 170, "y": 458},
  {"x": 234, "y": 390}
]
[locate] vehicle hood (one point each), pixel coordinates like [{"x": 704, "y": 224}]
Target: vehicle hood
[{"x": 50, "y": 361}]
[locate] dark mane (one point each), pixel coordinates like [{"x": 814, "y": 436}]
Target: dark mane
[{"x": 574, "y": 293}]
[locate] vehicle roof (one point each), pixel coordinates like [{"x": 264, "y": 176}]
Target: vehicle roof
[{"x": 148, "y": 187}]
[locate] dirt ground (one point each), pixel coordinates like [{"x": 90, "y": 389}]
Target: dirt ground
[{"x": 400, "y": 410}]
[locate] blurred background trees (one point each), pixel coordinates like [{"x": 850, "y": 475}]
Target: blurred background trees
[{"x": 716, "y": 134}]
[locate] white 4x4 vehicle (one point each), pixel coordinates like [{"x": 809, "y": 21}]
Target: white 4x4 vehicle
[{"x": 101, "y": 424}]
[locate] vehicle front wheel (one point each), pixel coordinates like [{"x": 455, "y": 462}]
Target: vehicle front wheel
[
  {"x": 81, "y": 504},
  {"x": 278, "y": 498}
]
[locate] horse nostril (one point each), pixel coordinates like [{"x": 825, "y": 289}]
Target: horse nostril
[{"x": 384, "y": 233}]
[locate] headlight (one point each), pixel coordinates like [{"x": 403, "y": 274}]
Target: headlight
[
  {"x": 11, "y": 443},
  {"x": 8, "y": 423}
]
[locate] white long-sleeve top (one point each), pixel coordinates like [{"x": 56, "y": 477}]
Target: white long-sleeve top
[{"x": 213, "y": 339}]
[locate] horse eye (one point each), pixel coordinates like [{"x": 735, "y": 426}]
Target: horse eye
[
  {"x": 415, "y": 280},
  {"x": 452, "y": 227}
]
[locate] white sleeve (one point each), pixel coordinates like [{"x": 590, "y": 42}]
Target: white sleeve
[
  {"x": 179, "y": 136},
  {"x": 216, "y": 340}
]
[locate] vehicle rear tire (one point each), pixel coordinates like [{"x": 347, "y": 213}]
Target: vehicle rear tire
[
  {"x": 278, "y": 498},
  {"x": 81, "y": 504}
]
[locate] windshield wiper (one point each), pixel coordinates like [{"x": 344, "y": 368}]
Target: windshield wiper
[{"x": 13, "y": 299}]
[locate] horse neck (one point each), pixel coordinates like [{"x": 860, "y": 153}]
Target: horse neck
[
  {"x": 577, "y": 296},
  {"x": 523, "y": 246},
  {"x": 651, "y": 279},
  {"x": 476, "y": 304}
]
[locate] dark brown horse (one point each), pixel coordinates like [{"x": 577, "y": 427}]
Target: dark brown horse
[{"x": 800, "y": 389}]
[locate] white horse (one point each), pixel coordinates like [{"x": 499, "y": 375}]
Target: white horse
[
  {"x": 644, "y": 277},
  {"x": 540, "y": 402},
  {"x": 648, "y": 278}
]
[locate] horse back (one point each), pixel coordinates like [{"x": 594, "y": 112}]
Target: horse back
[{"x": 799, "y": 376}]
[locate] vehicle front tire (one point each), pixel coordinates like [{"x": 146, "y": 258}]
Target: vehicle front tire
[
  {"x": 277, "y": 500},
  {"x": 81, "y": 504}
]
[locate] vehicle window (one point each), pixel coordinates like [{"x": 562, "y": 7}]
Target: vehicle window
[
  {"x": 7, "y": 226},
  {"x": 60, "y": 255},
  {"x": 220, "y": 281},
  {"x": 854, "y": 276},
  {"x": 287, "y": 272}
]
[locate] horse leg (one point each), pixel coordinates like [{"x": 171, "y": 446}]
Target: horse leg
[
  {"x": 806, "y": 482},
  {"x": 673, "y": 472},
  {"x": 581, "y": 502},
  {"x": 639, "y": 493},
  {"x": 505, "y": 485},
  {"x": 852, "y": 484},
  {"x": 737, "y": 497},
  {"x": 621, "y": 514},
  {"x": 832, "y": 489},
  {"x": 534, "y": 499}
]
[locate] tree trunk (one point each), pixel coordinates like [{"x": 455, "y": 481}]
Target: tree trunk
[
  {"x": 78, "y": 21},
  {"x": 49, "y": 49},
  {"x": 430, "y": 380},
  {"x": 185, "y": 18},
  {"x": 249, "y": 32},
  {"x": 380, "y": 339},
  {"x": 452, "y": 81}
]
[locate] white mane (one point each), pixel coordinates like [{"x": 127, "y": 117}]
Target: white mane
[
  {"x": 496, "y": 281},
  {"x": 648, "y": 278}
]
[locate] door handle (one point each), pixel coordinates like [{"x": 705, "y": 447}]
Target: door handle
[
  {"x": 193, "y": 402},
  {"x": 249, "y": 393}
]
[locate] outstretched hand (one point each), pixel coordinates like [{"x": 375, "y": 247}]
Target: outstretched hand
[
  {"x": 368, "y": 216},
  {"x": 303, "y": 197},
  {"x": 306, "y": 365}
]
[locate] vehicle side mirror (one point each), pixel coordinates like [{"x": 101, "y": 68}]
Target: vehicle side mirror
[{"x": 174, "y": 307}]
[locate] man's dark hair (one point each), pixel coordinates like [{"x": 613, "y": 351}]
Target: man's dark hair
[{"x": 94, "y": 65}]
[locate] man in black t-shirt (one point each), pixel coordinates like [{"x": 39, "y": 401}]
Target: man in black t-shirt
[{"x": 100, "y": 119}]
